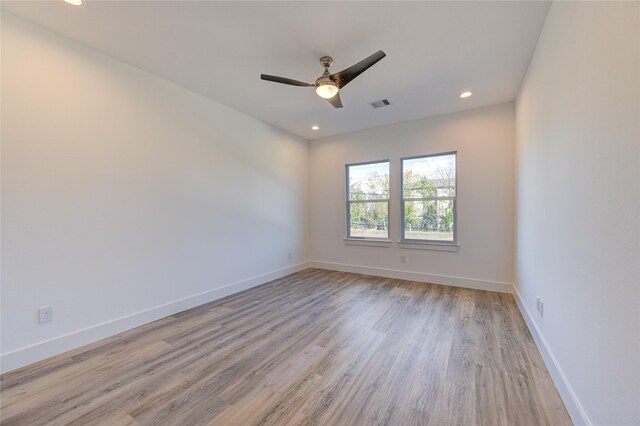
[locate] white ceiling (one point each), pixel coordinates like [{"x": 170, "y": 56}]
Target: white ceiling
[{"x": 434, "y": 51}]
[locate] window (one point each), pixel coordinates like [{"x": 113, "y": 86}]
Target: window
[
  {"x": 368, "y": 200},
  {"x": 429, "y": 198}
]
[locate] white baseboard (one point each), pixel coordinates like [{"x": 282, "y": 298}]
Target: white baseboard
[
  {"x": 58, "y": 345},
  {"x": 476, "y": 284},
  {"x": 574, "y": 407}
]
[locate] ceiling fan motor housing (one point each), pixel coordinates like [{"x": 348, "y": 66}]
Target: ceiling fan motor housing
[{"x": 325, "y": 78}]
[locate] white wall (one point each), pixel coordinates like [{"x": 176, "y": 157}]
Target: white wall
[
  {"x": 123, "y": 193},
  {"x": 578, "y": 206},
  {"x": 484, "y": 140}
]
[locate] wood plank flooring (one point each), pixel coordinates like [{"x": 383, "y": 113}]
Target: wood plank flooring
[{"x": 314, "y": 348}]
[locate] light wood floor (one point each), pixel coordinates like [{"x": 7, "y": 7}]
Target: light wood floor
[{"x": 313, "y": 348}]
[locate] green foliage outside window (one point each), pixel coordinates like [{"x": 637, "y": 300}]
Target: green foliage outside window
[{"x": 367, "y": 218}]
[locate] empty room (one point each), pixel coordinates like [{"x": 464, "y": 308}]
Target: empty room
[{"x": 330, "y": 213}]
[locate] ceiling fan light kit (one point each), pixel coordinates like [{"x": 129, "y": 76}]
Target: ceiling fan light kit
[
  {"x": 326, "y": 90},
  {"x": 328, "y": 85}
]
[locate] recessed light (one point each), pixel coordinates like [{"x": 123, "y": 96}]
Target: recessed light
[
  {"x": 75, "y": 2},
  {"x": 315, "y": 128},
  {"x": 465, "y": 94}
]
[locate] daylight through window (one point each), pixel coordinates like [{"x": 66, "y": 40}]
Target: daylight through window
[
  {"x": 429, "y": 198},
  {"x": 368, "y": 200}
]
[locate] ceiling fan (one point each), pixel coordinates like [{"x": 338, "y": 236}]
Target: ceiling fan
[{"x": 328, "y": 85}]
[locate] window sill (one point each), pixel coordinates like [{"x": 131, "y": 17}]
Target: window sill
[
  {"x": 368, "y": 242},
  {"x": 420, "y": 245}
]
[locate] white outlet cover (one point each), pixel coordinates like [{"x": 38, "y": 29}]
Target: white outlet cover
[{"x": 45, "y": 314}]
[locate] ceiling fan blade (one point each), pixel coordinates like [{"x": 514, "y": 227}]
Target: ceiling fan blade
[
  {"x": 342, "y": 78},
  {"x": 283, "y": 80},
  {"x": 335, "y": 101}
]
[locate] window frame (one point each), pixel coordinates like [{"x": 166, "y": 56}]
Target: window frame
[
  {"x": 348, "y": 203},
  {"x": 454, "y": 199}
]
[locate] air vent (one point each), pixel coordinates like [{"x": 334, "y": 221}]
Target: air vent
[{"x": 380, "y": 104}]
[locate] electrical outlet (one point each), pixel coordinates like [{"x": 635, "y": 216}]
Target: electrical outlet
[
  {"x": 290, "y": 256},
  {"x": 45, "y": 314},
  {"x": 403, "y": 258},
  {"x": 540, "y": 306}
]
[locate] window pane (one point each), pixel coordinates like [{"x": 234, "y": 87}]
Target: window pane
[
  {"x": 369, "y": 220},
  {"x": 428, "y": 220},
  {"x": 369, "y": 181},
  {"x": 429, "y": 177}
]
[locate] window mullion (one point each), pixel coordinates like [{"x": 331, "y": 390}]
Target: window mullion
[
  {"x": 383, "y": 200},
  {"x": 429, "y": 198}
]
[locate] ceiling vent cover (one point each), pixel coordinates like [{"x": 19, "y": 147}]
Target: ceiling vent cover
[{"x": 380, "y": 104}]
